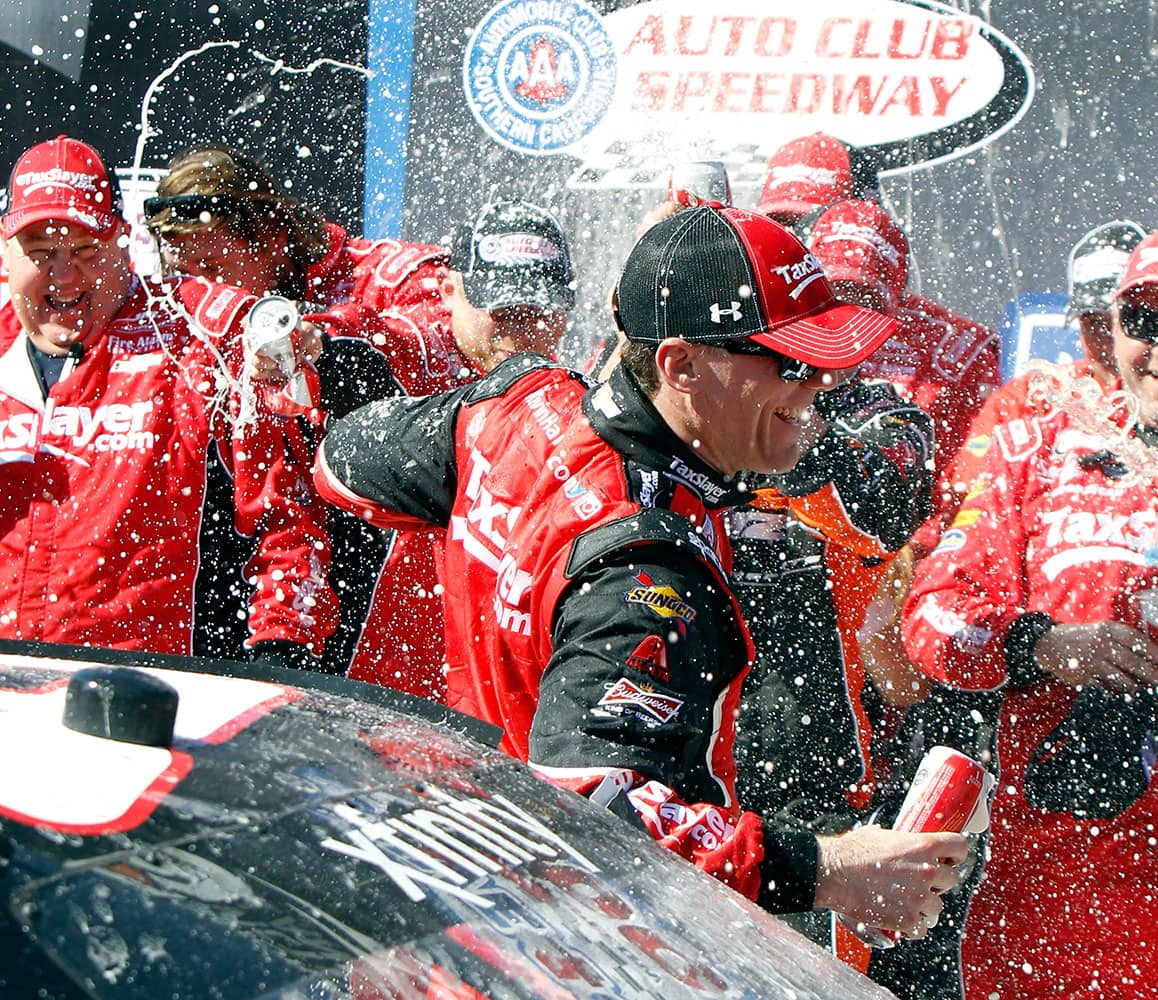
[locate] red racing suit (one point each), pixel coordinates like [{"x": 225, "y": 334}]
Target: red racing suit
[
  {"x": 590, "y": 618},
  {"x": 947, "y": 365},
  {"x": 387, "y": 293},
  {"x": 1020, "y": 398},
  {"x": 107, "y": 487},
  {"x": 1062, "y": 526}
]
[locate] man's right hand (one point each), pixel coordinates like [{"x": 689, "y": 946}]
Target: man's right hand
[
  {"x": 1110, "y": 654},
  {"x": 888, "y": 878}
]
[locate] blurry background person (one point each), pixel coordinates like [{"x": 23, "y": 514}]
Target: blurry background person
[
  {"x": 812, "y": 171},
  {"x": 1093, "y": 269},
  {"x": 1033, "y": 592},
  {"x": 813, "y": 545},
  {"x": 123, "y": 441},
  {"x": 943, "y": 362},
  {"x": 432, "y": 318},
  {"x": 810, "y": 553}
]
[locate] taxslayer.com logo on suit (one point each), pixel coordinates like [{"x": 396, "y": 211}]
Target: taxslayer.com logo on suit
[{"x": 72, "y": 431}]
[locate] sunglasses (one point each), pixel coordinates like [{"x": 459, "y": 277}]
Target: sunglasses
[
  {"x": 191, "y": 207},
  {"x": 791, "y": 370},
  {"x": 1139, "y": 322}
]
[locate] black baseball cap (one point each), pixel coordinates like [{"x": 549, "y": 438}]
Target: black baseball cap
[
  {"x": 712, "y": 275},
  {"x": 514, "y": 253},
  {"x": 1096, "y": 264}
]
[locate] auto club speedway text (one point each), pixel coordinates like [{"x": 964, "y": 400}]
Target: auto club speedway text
[{"x": 883, "y": 45}]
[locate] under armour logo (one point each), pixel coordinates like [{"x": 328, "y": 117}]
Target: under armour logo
[{"x": 734, "y": 312}]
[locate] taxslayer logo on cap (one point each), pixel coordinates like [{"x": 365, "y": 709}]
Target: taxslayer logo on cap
[
  {"x": 800, "y": 275},
  {"x": 858, "y": 242},
  {"x": 805, "y": 174},
  {"x": 684, "y": 274},
  {"x": 63, "y": 180}
]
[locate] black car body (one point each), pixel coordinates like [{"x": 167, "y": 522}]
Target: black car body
[{"x": 302, "y": 836}]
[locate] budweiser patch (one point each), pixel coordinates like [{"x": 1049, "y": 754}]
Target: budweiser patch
[{"x": 623, "y": 695}]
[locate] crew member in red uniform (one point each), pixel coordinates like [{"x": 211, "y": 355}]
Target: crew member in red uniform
[
  {"x": 1093, "y": 271},
  {"x": 1033, "y": 591},
  {"x": 415, "y": 314},
  {"x": 122, "y": 434},
  {"x": 592, "y": 617}
]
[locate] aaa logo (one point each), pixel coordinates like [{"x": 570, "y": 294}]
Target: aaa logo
[{"x": 539, "y": 74}]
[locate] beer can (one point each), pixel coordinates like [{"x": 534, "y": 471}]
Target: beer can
[
  {"x": 698, "y": 182},
  {"x": 1144, "y": 606},
  {"x": 273, "y": 328},
  {"x": 949, "y": 794}
]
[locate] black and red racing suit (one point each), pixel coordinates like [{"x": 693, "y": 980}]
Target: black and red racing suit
[{"x": 590, "y": 616}]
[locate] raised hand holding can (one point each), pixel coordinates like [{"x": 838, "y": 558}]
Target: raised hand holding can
[
  {"x": 273, "y": 330},
  {"x": 273, "y": 334}
]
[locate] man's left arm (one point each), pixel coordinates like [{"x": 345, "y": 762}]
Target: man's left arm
[
  {"x": 636, "y": 710},
  {"x": 866, "y": 483}
]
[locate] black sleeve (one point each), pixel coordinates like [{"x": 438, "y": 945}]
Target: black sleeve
[
  {"x": 398, "y": 453},
  {"x": 645, "y": 645},
  {"x": 1099, "y": 759},
  {"x": 1020, "y": 666},
  {"x": 877, "y": 453},
  {"x": 353, "y": 372}
]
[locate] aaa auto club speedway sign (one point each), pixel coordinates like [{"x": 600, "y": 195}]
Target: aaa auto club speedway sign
[{"x": 912, "y": 81}]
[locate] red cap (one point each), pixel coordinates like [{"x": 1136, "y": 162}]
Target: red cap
[
  {"x": 1142, "y": 267},
  {"x": 804, "y": 174},
  {"x": 858, "y": 241},
  {"x": 62, "y": 179},
  {"x": 711, "y": 275}
]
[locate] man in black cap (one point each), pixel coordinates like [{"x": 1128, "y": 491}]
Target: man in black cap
[
  {"x": 1093, "y": 271},
  {"x": 510, "y": 286},
  {"x": 591, "y": 615}
]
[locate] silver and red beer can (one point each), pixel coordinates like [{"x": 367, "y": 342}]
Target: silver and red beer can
[
  {"x": 699, "y": 182},
  {"x": 949, "y": 794},
  {"x": 273, "y": 328}
]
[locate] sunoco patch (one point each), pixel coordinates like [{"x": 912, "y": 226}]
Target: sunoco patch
[
  {"x": 539, "y": 75},
  {"x": 662, "y": 599}
]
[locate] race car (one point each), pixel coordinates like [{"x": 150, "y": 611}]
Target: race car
[{"x": 192, "y": 828}]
